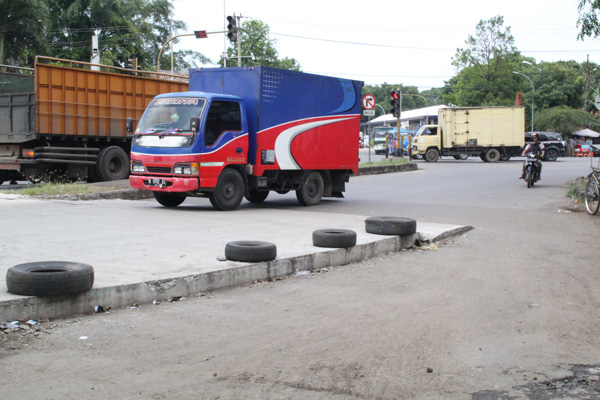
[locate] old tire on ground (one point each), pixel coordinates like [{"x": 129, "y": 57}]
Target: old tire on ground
[
  {"x": 551, "y": 155},
  {"x": 229, "y": 191},
  {"x": 492, "y": 155},
  {"x": 391, "y": 225},
  {"x": 312, "y": 189},
  {"x": 335, "y": 238},
  {"x": 432, "y": 155},
  {"x": 46, "y": 278},
  {"x": 256, "y": 196},
  {"x": 112, "y": 164},
  {"x": 168, "y": 199},
  {"x": 250, "y": 251}
]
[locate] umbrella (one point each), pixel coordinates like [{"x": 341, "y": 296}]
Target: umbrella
[{"x": 586, "y": 132}]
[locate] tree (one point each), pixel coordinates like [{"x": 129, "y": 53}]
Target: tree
[
  {"x": 588, "y": 21},
  {"x": 126, "y": 29},
  {"x": 565, "y": 120},
  {"x": 22, "y": 30},
  {"x": 484, "y": 67},
  {"x": 257, "y": 48}
]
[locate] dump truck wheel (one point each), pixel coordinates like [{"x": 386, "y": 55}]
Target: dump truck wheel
[
  {"x": 46, "y": 278},
  {"x": 335, "y": 238},
  {"x": 256, "y": 196},
  {"x": 391, "y": 225},
  {"x": 112, "y": 164},
  {"x": 169, "y": 200},
  {"x": 432, "y": 155},
  {"x": 492, "y": 155},
  {"x": 250, "y": 251},
  {"x": 229, "y": 191},
  {"x": 311, "y": 191}
]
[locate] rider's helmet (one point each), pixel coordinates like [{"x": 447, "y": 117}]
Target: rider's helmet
[{"x": 535, "y": 135}]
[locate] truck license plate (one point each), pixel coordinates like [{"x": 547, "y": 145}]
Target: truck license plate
[{"x": 157, "y": 182}]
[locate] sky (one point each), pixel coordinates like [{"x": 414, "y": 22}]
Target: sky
[{"x": 382, "y": 41}]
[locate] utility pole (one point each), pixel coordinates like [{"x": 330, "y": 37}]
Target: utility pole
[{"x": 587, "y": 83}]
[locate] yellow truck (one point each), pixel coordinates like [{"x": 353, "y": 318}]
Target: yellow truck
[{"x": 492, "y": 133}]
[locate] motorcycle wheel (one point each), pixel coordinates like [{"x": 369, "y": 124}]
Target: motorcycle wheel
[{"x": 529, "y": 178}]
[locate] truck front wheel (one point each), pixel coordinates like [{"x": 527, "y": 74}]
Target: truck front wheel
[
  {"x": 311, "y": 191},
  {"x": 168, "y": 200},
  {"x": 432, "y": 155},
  {"x": 229, "y": 191}
]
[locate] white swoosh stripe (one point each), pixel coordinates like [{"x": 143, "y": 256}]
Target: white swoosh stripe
[{"x": 283, "y": 144}]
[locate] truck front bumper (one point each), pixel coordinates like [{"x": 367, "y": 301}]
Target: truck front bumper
[{"x": 164, "y": 184}]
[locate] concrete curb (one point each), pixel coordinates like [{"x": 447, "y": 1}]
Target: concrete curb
[{"x": 166, "y": 289}]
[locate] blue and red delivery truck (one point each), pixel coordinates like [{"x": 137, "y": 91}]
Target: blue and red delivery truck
[{"x": 246, "y": 132}]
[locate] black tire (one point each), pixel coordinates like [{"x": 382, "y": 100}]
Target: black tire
[
  {"x": 311, "y": 191},
  {"x": 482, "y": 156},
  {"x": 335, "y": 238},
  {"x": 250, "y": 251},
  {"x": 112, "y": 164},
  {"x": 168, "y": 199},
  {"x": 492, "y": 155},
  {"x": 45, "y": 278},
  {"x": 391, "y": 225},
  {"x": 504, "y": 156},
  {"x": 432, "y": 155},
  {"x": 592, "y": 197},
  {"x": 229, "y": 191},
  {"x": 461, "y": 157},
  {"x": 551, "y": 155},
  {"x": 529, "y": 177},
  {"x": 256, "y": 196}
]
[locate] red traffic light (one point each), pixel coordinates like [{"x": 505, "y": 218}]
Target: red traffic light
[{"x": 394, "y": 95}]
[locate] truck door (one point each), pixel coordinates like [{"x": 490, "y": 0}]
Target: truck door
[{"x": 225, "y": 140}]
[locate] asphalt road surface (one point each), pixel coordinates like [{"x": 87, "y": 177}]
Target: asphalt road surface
[{"x": 506, "y": 311}]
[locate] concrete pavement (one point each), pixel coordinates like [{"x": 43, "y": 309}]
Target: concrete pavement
[{"x": 142, "y": 252}]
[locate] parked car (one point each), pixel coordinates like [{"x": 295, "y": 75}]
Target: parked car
[{"x": 554, "y": 144}]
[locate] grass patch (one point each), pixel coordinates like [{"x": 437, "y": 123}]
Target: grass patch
[
  {"x": 385, "y": 161},
  {"x": 58, "y": 189},
  {"x": 577, "y": 189}
]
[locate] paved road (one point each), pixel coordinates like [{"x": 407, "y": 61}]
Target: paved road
[{"x": 508, "y": 310}]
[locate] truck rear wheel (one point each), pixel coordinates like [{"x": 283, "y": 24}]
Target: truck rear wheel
[
  {"x": 112, "y": 164},
  {"x": 432, "y": 155},
  {"x": 229, "y": 191},
  {"x": 311, "y": 191},
  {"x": 492, "y": 155},
  {"x": 168, "y": 199}
]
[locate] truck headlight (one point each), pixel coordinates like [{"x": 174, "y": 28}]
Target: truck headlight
[
  {"x": 137, "y": 167},
  {"x": 186, "y": 169}
]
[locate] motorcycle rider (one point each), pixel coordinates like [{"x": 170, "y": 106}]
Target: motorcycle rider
[{"x": 538, "y": 149}]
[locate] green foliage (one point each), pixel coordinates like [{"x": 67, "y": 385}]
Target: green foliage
[
  {"x": 588, "y": 21},
  {"x": 257, "y": 49},
  {"x": 485, "y": 67},
  {"x": 64, "y": 29},
  {"x": 565, "y": 120},
  {"x": 22, "y": 30}
]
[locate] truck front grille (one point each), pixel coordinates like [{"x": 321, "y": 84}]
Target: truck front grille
[{"x": 159, "y": 170}]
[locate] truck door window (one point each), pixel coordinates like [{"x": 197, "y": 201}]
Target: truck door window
[
  {"x": 429, "y": 132},
  {"x": 223, "y": 116}
]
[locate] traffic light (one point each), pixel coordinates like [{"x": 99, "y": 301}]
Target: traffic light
[
  {"x": 395, "y": 102},
  {"x": 232, "y": 28}
]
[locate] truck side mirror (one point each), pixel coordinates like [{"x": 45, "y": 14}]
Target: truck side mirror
[
  {"x": 129, "y": 125},
  {"x": 194, "y": 124}
]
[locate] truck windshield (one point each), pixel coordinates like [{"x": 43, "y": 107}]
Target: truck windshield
[{"x": 166, "y": 122}]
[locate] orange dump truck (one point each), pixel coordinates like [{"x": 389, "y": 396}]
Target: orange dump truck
[{"x": 67, "y": 119}]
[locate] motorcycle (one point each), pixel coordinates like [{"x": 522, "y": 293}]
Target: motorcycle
[{"x": 531, "y": 169}]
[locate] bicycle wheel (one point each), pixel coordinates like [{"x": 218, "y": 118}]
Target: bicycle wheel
[{"x": 592, "y": 196}]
